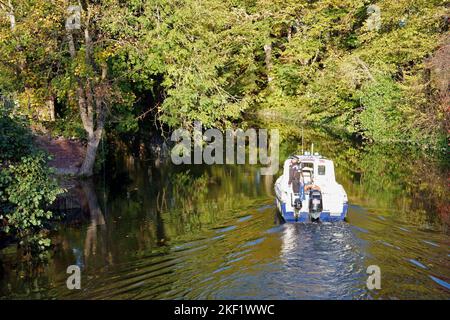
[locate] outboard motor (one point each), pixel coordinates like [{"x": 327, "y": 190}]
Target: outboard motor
[
  {"x": 297, "y": 207},
  {"x": 315, "y": 203},
  {"x": 297, "y": 204}
]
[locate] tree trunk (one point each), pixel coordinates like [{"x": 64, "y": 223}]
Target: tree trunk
[
  {"x": 9, "y": 8},
  {"x": 51, "y": 108},
  {"x": 87, "y": 168},
  {"x": 268, "y": 61},
  {"x": 92, "y": 95}
]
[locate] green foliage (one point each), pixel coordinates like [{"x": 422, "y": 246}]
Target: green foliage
[
  {"x": 381, "y": 119},
  {"x": 68, "y": 126},
  {"x": 26, "y": 185},
  {"x": 335, "y": 71},
  {"x": 26, "y": 190},
  {"x": 203, "y": 54},
  {"x": 205, "y": 60},
  {"x": 30, "y": 54},
  {"x": 15, "y": 136}
]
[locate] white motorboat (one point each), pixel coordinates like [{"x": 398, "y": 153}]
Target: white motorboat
[{"x": 322, "y": 198}]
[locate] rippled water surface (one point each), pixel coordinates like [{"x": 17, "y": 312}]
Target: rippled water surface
[{"x": 151, "y": 230}]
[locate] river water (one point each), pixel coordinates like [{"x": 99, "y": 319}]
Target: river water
[{"x": 153, "y": 230}]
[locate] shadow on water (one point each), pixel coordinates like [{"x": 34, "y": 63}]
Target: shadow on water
[{"x": 149, "y": 230}]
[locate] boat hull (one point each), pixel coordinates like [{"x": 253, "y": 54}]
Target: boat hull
[{"x": 304, "y": 216}]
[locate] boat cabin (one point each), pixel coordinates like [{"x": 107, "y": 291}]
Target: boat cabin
[{"x": 315, "y": 169}]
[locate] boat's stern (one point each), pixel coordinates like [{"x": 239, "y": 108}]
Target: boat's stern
[
  {"x": 316, "y": 206},
  {"x": 305, "y": 216},
  {"x": 323, "y": 198}
]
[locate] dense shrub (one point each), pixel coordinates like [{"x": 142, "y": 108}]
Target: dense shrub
[
  {"x": 15, "y": 137},
  {"x": 26, "y": 185}
]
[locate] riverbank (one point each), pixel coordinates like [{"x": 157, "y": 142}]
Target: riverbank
[{"x": 67, "y": 154}]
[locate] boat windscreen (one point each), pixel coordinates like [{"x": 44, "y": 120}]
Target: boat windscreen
[{"x": 305, "y": 165}]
